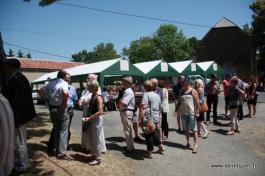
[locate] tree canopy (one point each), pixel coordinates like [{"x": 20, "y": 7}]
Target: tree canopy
[
  {"x": 44, "y": 2},
  {"x": 100, "y": 53},
  {"x": 10, "y": 53},
  {"x": 20, "y": 53},
  {"x": 167, "y": 43},
  {"x": 258, "y": 30}
]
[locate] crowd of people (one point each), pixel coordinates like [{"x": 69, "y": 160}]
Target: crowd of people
[{"x": 150, "y": 114}]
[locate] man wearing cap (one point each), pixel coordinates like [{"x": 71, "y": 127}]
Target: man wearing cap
[
  {"x": 19, "y": 94},
  {"x": 212, "y": 89},
  {"x": 127, "y": 106}
]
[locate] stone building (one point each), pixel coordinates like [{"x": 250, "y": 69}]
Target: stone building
[{"x": 230, "y": 47}]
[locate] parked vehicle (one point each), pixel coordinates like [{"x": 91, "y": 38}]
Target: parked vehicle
[{"x": 192, "y": 78}]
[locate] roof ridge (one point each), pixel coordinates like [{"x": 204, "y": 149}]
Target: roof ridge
[
  {"x": 224, "y": 22},
  {"x": 42, "y": 59}
]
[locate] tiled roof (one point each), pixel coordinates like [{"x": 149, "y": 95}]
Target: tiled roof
[{"x": 46, "y": 64}]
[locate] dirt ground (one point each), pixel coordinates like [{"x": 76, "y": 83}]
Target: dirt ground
[
  {"x": 40, "y": 164},
  {"x": 115, "y": 163}
]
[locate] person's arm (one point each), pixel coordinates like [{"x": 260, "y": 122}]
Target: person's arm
[
  {"x": 100, "y": 110},
  {"x": 65, "y": 95},
  {"x": 65, "y": 98},
  {"x": 196, "y": 102},
  {"x": 143, "y": 107}
]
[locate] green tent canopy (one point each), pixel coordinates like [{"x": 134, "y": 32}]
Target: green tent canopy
[
  {"x": 211, "y": 67},
  {"x": 157, "y": 68},
  {"x": 115, "y": 68},
  {"x": 187, "y": 68}
]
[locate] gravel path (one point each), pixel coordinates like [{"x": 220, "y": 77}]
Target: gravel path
[{"x": 241, "y": 154}]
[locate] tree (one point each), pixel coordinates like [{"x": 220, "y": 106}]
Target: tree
[
  {"x": 247, "y": 29},
  {"x": 167, "y": 43},
  {"x": 258, "y": 30},
  {"x": 43, "y": 2},
  {"x": 100, "y": 53},
  {"x": 142, "y": 50},
  {"x": 20, "y": 53},
  {"x": 28, "y": 55},
  {"x": 10, "y": 53}
]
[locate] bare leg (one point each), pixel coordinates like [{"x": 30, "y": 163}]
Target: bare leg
[
  {"x": 199, "y": 127},
  {"x": 206, "y": 132},
  {"x": 187, "y": 134},
  {"x": 135, "y": 129},
  {"x": 254, "y": 110},
  {"x": 249, "y": 109},
  {"x": 195, "y": 136},
  {"x": 178, "y": 121}
]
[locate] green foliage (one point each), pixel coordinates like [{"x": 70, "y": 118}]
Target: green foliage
[
  {"x": 247, "y": 29},
  {"x": 142, "y": 50},
  {"x": 10, "y": 53},
  {"x": 20, "y": 53},
  {"x": 258, "y": 28},
  {"x": 167, "y": 43},
  {"x": 100, "y": 53}
]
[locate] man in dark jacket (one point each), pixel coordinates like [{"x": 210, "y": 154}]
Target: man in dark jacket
[{"x": 19, "y": 94}]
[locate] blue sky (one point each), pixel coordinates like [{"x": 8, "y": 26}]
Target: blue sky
[{"x": 86, "y": 28}]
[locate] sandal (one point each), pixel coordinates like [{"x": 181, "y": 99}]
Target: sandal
[
  {"x": 161, "y": 149},
  {"x": 205, "y": 135},
  {"x": 237, "y": 130},
  {"x": 148, "y": 155},
  {"x": 94, "y": 162},
  {"x": 230, "y": 133},
  {"x": 195, "y": 150}
]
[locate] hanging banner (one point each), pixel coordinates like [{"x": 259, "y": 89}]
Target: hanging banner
[
  {"x": 193, "y": 67},
  {"x": 164, "y": 67},
  {"x": 124, "y": 65},
  {"x": 215, "y": 67}
]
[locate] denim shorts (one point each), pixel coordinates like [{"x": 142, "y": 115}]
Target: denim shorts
[{"x": 189, "y": 123}]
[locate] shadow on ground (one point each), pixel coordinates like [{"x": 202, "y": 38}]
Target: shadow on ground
[
  {"x": 37, "y": 129},
  {"x": 220, "y": 131}
]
